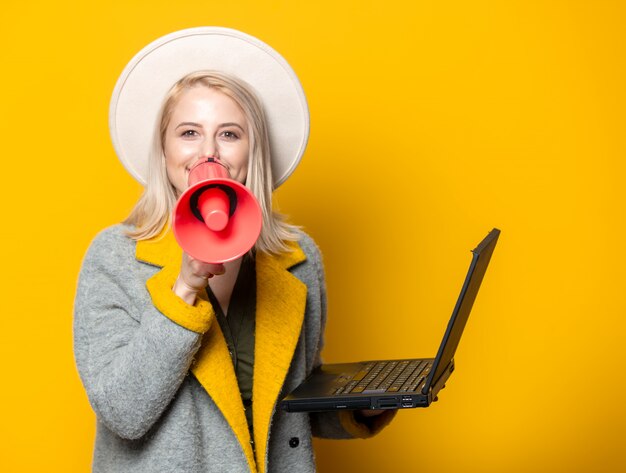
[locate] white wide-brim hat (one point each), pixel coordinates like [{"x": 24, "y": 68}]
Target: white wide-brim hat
[{"x": 142, "y": 86}]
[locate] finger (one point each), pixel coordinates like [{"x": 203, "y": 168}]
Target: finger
[
  {"x": 371, "y": 412},
  {"x": 206, "y": 270},
  {"x": 216, "y": 269}
]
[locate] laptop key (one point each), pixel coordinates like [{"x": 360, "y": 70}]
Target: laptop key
[{"x": 361, "y": 374}]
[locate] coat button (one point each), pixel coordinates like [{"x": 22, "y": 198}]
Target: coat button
[{"x": 294, "y": 442}]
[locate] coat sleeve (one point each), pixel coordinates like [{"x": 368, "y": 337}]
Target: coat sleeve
[
  {"x": 339, "y": 424},
  {"x": 130, "y": 357}
]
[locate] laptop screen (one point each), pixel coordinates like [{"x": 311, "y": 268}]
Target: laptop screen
[{"x": 478, "y": 266}]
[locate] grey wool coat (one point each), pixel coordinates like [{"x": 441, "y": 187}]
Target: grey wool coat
[{"x": 159, "y": 377}]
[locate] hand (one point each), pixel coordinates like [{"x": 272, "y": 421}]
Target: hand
[
  {"x": 193, "y": 277},
  {"x": 370, "y": 412}
]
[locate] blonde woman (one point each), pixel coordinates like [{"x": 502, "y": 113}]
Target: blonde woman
[{"x": 183, "y": 361}]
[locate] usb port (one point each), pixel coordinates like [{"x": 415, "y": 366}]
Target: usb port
[{"x": 407, "y": 404}]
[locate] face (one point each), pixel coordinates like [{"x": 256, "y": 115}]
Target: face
[{"x": 205, "y": 122}]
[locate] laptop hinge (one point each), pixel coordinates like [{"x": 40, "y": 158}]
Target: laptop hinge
[{"x": 437, "y": 385}]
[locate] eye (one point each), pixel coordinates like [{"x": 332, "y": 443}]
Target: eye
[
  {"x": 230, "y": 135},
  {"x": 189, "y": 133}
]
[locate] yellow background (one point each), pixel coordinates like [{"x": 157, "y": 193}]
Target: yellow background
[{"x": 432, "y": 122}]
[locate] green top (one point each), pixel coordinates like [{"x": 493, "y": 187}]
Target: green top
[{"x": 238, "y": 329}]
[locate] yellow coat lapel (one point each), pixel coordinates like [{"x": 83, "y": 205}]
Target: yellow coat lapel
[
  {"x": 214, "y": 370},
  {"x": 281, "y": 302}
]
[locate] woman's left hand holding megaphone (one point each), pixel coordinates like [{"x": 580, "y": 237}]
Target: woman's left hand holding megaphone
[{"x": 193, "y": 277}]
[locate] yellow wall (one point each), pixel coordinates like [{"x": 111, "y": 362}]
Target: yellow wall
[{"x": 432, "y": 122}]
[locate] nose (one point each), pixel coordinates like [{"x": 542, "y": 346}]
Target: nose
[{"x": 209, "y": 148}]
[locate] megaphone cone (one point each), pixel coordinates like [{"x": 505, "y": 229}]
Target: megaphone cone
[{"x": 217, "y": 219}]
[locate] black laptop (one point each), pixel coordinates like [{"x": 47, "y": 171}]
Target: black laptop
[{"x": 394, "y": 384}]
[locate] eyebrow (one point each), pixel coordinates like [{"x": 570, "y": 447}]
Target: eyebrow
[{"x": 222, "y": 125}]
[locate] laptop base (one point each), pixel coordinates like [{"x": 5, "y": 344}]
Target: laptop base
[{"x": 317, "y": 392}]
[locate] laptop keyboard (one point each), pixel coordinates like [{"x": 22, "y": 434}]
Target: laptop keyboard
[{"x": 388, "y": 376}]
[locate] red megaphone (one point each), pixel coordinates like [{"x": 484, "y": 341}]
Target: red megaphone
[{"x": 217, "y": 219}]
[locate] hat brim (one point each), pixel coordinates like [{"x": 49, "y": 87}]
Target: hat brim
[{"x": 148, "y": 77}]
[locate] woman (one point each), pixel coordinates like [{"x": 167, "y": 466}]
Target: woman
[{"x": 184, "y": 362}]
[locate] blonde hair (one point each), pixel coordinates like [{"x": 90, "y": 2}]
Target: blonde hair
[{"x": 152, "y": 211}]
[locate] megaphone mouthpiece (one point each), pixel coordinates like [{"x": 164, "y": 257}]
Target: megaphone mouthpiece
[{"x": 214, "y": 206}]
